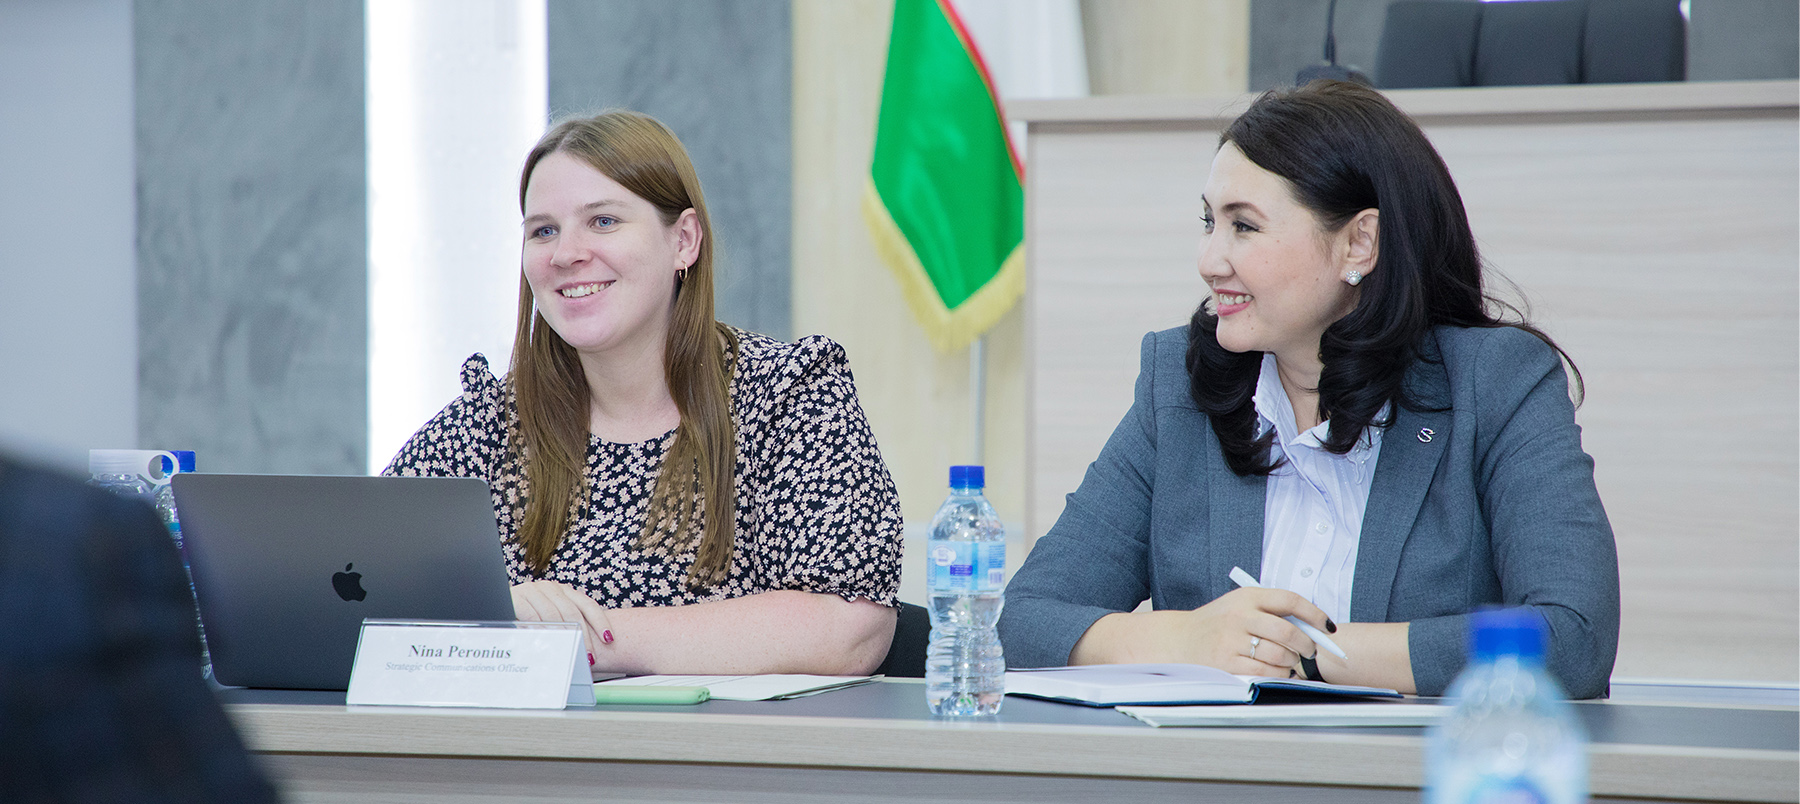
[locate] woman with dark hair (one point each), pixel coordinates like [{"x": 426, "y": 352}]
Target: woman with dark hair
[
  {"x": 1348, "y": 417},
  {"x": 702, "y": 499}
]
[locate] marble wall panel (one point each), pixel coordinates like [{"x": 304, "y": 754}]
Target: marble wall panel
[
  {"x": 252, "y": 247},
  {"x": 720, "y": 73}
]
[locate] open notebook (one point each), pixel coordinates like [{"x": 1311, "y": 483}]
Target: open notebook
[{"x": 1166, "y": 684}]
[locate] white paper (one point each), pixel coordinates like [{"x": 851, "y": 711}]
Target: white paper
[
  {"x": 502, "y": 665},
  {"x": 1328, "y": 715},
  {"x": 750, "y": 688}
]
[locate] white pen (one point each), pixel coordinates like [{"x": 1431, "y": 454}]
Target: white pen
[{"x": 1242, "y": 578}]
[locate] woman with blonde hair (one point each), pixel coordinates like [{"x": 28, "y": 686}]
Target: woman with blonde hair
[{"x": 702, "y": 499}]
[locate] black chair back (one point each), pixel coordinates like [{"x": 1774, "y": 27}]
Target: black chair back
[
  {"x": 1524, "y": 44},
  {"x": 1634, "y": 40},
  {"x": 912, "y": 634},
  {"x": 1428, "y": 44}
]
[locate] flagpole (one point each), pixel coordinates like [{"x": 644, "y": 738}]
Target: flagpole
[{"x": 978, "y": 394}]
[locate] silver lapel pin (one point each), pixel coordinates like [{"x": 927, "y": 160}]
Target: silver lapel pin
[{"x": 1425, "y": 434}]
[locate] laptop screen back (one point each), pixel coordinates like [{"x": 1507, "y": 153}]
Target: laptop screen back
[{"x": 286, "y": 567}]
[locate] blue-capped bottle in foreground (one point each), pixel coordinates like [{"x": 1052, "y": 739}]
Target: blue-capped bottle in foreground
[
  {"x": 144, "y": 475},
  {"x": 121, "y": 471},
  {"x": 165, "y": 505},
  {"x": 1512, "y": 738},
  {"x": 165, "y": 497},
  {"x": 965, "y": 561}
]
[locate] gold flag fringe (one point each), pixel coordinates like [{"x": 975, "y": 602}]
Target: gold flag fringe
[{"x": 948, "y": 329}]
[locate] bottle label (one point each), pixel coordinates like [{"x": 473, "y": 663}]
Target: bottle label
[{"x": 966, "y": 566}]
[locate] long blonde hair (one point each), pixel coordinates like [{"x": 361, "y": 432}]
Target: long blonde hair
[{"x": 645, "y": 157}]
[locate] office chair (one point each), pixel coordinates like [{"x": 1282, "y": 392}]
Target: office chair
[
  {"x": 1427, "y": 44},
  {"x": 1634, "y": 40},
  {"x": 912, "y": 633},
  {"x": 1522, "y": 44}
]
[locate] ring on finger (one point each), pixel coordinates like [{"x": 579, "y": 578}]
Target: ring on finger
[{"x": 1254, "y": 642}]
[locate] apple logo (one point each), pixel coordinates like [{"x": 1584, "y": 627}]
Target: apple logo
[{"x": 348, "y": 584}]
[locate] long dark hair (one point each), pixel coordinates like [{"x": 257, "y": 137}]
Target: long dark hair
[{"x": 1344, "y": 148}]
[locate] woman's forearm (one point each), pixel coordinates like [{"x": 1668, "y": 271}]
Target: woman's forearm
[
  {"x": 1379, "y": 652},
  {"x": 771, "y": 632},
  {"x": 1130, "y": 638},
  {"x": 1379, "y": 657}
]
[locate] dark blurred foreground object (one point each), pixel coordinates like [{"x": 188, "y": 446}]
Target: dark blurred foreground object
[
  {"x": 1531, "y": 42},
  {"x": 101, "y": 698}
]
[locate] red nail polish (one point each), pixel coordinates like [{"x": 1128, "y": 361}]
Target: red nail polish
[
  {"x": 590, "y": 660},
  {"x": 606, "y": 637}
]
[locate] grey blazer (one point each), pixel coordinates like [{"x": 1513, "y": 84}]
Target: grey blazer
[{"x": 1486, "y": 500}]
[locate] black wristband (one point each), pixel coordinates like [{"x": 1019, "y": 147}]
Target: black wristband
[{"x": 1309, "y": 669}]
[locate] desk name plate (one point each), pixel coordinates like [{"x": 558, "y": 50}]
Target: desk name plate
[{"x": 503, "y": 665}]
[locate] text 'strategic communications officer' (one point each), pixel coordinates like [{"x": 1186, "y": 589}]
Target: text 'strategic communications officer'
[
  {"x": 703, "y": 499},
  {"x": 1348, "y": 419}
]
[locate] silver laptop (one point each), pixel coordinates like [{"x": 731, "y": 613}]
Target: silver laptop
[{"x": 287, "y": 566}]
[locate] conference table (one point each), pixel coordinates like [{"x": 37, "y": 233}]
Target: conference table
[{"x": 876, "y": 743}]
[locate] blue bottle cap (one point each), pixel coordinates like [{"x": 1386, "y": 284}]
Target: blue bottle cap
[
  {"x": 184, "y": 456},
  {"x": 1507, "y": 632},
  {"x": 967, "y": 477}
]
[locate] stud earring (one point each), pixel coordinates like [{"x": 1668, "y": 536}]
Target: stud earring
[{"x": 1353, "y": 278}]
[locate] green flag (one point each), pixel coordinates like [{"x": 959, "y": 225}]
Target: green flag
[{"x": 945, "y": 199}]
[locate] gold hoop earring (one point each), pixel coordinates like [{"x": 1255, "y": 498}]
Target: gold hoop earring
[{"x": 681, "y": 276}]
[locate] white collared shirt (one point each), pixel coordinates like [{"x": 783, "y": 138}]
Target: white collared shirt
[{"x": 1313, "y": 511}]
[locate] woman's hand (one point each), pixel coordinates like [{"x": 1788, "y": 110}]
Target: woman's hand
[
  {"x": 1222, "y": 634},
  {"x": 555, "y": 602}
]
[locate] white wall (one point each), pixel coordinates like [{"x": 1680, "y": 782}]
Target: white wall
[
  {"x": 68, "y": 291},
  {"x": 456, "y": 99}
]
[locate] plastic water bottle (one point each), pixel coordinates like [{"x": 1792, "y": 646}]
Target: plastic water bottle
[
  {"x": 128, "y": 473},
  {"x": 165, "y": 505},
  {"x": 171, "y": 519},
  {"x": 965, "y": 673},
  {"x": 165, "y": 498},
  {"x": 1513, "y": 738},
  {"x": 117, "y": 471}
]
